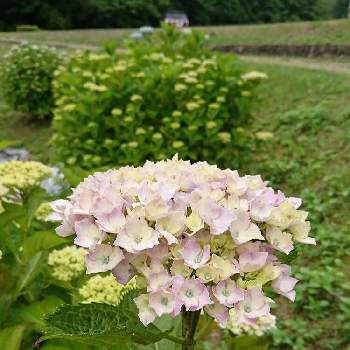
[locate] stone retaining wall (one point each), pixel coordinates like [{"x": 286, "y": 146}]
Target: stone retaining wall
[{"x": 287, "y": 50}]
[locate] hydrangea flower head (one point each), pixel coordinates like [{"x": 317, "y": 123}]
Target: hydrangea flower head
[
  {"x": 23, "y": 175},
  {"x": 196, "y": 236}
]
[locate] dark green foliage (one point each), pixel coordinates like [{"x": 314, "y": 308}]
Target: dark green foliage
[
  {"x": 26, "y": 28},
  {"x": 341, "y": 9},
  {"x": 131, "y": 13}
]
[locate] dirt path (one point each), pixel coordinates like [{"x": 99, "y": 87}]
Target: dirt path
[{"x": 308, "y": 63}]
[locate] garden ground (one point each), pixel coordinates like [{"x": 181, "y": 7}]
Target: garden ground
[{"x": 308, "y": 111}]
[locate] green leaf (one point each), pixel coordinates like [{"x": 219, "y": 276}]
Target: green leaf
[
  {"x": 5, "y": 305},
  {"x": 11, "y": 213},
  {"x": 31, "y": 271},
  {"x": 59, "y": 344},
  {"x": 245, "y": 342},
  {"x": 287, "y": 259},
  {"x": 41, "y": 240},
  {"x": 74, "y": 175},
  {"x": 12, "y": 237},
  {"x": 36, "y": 312},
  {"x": 102, "y": 324},
  {"x": 32, "y": 203},
  {"x": 11, "y": 338}
]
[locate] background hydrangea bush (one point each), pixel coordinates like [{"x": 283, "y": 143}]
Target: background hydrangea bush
[
  {"x": 26, "y": 74},
  {"x": 150, "y": 102},
  {"x": 197, "y": 237}
]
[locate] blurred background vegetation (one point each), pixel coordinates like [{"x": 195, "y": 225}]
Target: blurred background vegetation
[{"x": 63, "y": 14}]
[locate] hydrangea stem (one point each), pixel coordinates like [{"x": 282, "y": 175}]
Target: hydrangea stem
[{"x": 189, "y": 324}]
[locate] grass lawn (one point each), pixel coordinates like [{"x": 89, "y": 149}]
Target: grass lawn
[
  {"x": 334, "y": 32},
  {"x": 4, "y": 48},
  {"x": 81, "y": 37},
  {"x": 319, "y": 32},
  {"x": 32, "y": 134},
  {"x": 309, "y": 114}
]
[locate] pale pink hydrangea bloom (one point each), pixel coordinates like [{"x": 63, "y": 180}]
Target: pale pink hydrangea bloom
[{"x": 197, "y": 236}]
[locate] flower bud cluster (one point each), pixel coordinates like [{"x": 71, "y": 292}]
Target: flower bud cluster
[
  {"x": 43, "y": 211},
  {"x": 197, "y": 237},
  {"x": 263, "y": 325},
  {"x": 104, "y": 289},
  {"x": 23, "y": 175},
  {"x": 67, "y": 263}
]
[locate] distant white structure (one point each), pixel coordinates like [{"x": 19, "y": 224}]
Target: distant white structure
[{"x": 177, "y": 18}]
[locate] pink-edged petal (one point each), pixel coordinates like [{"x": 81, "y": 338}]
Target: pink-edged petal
[
  {"x": 219, "y": 312},
  {"x": 218, "y": 218},
  {"x": 285, "y": 284},
  {"x": 123, "y": 272},
  {"x": 243, "y": 230},
  {"x": 111, "y": 222},
  {"x": 227, "y": 293},
  {"x": 146, "y": 314},
  {"x": 88, "y": 234},
  {"x": 137, "y": 235},
  {"x": 194, "y": 295},
  {"x": 252, "y": 307},
  {"x": 103, "y": 258},
  {"x": 252, "y": 261},
  {"x": 193, "y": 255},
  {"x": 65, "y": 229},
  {"x": 162, "y": 302},
  {"x": 279, "y": 240},
  {"x": 159, "y": 281}
]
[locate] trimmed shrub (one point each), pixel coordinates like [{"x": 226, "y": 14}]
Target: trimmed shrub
[
  {"x": 26, "y": 28},
  {"x": 151, "y": 102},
  {"x": 26, "y": 74}
]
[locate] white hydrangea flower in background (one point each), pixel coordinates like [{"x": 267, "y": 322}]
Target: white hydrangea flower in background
[{"x": 254, "y": 75}]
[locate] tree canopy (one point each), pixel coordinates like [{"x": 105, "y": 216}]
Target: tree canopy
[{"x": 62, "y": 14}]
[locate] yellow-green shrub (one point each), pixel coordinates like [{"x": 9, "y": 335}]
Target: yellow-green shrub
[
  {"x": 26, "y": 74},
  {"x": 124, "y": 108}
]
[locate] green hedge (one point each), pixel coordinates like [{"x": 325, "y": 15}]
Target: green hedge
[{"x": 26, "y": 28}]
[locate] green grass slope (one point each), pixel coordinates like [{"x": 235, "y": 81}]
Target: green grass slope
[
  {"x": 319, "y": 32},
  {"x": 309, "y": 156},
  {"x": 334, "y": 32}
]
